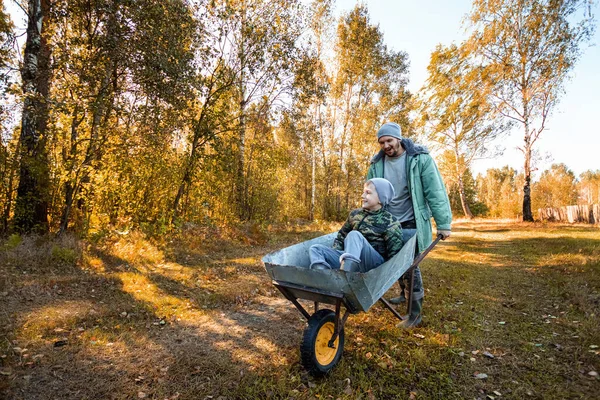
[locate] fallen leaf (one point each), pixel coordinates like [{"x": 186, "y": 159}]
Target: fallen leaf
[
  {"x": 592, "y": 373},
  {"x": 368, "y": 355}
]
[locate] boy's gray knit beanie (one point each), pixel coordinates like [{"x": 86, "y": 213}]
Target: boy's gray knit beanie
[
  {"x": 390, "y": 129},
  {"x": 384, "y": 189}
]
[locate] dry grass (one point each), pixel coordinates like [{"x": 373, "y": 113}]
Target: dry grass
[{"x": 194, "y": 316}]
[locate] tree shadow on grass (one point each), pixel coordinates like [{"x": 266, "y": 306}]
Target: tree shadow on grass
[{"x": 126, "y": 333}]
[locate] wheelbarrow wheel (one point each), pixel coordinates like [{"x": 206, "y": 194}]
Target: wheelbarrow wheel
[{"x": 317, "y": 357}]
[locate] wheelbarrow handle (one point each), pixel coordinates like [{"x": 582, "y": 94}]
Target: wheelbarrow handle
[{"x": 422, "y": 255}]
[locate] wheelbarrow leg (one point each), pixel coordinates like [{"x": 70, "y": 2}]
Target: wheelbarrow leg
[
  {"x": 294, "y": 301},
  {"x": 410, "y": 292},
  {"x": 392, "y": 310}
]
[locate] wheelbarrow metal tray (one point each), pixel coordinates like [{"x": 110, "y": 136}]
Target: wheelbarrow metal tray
[{"x": 359, "y": 290}]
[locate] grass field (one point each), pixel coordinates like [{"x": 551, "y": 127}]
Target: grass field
[{"x": 196, "y": 317}]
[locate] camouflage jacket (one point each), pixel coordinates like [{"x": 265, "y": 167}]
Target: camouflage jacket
[{"x": 381, "y": 229}]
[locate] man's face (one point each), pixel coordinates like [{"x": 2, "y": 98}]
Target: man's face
[
  {"x": 370, "y": 199},
  {"x": 391, "y": 146}
]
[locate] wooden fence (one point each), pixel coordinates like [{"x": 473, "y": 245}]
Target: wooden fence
[{"x": 589, "y": 214}]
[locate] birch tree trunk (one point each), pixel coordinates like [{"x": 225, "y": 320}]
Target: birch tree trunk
[
  {"x": 31, "y": 206},
  {"x": 527, "y": 215},
  {"x": 241, "y": 177},
  {"x": 461, "y": 189}
]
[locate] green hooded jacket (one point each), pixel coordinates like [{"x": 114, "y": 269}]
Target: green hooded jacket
[{"x": 426, "y": 187}]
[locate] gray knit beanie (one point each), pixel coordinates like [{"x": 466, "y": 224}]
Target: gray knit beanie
[
  {"x": 384, "y": 189},
  {"x": 390, "y": 129}
]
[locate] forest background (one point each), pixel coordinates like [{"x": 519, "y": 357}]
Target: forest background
[{"x": 163, "y": 114}]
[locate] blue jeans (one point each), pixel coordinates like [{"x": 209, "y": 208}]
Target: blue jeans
[
  {"x": 356, "y": 248},
  {"x": 418, "y": 291}
]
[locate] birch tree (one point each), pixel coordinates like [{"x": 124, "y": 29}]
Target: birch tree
[
  {"x": 7, "y": 151},
  {"x": 368, "y": 85},
  {"x": 261, "y": 42},
  {"x": 457, "y": 114},
  {"x": 529, "y": 48},
  {"x": 31, "y": 207}
]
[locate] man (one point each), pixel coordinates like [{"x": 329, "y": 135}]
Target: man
[{"x": 419, "y": 194}]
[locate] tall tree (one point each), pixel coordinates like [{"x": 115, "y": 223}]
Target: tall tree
[
  {"x": 456, "y": 112},
  {"x": 112, "y": 52},
  {"x": 368, "y": 86},
  {"x": 261, "y": 40},
  {"x": 31, "y": 207},
  {"x": 7, "y": 154},
  {"x": 529, "y": 47},
  {"x": 304, "y": 124}
]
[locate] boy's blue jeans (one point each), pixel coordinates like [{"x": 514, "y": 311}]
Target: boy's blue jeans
[{"x": 356, "y": 248}]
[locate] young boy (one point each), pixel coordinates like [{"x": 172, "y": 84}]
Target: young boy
[{"x": 369, "y": 237}]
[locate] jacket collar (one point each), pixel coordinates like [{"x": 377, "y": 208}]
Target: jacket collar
[{"x": 409, "y": 146}]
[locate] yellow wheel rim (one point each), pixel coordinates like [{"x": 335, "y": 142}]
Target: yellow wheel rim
[{"x": 323, "y": 353}]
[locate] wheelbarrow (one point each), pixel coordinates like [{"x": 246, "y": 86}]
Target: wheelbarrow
[{"x": 323, "y": 339}]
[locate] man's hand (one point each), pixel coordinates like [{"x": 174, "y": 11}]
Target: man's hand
[{"x": 445, "y": 234}]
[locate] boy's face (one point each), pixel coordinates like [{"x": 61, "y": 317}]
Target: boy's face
[
  {"x": 391, "y": 146},
  {"x": 370, "y": 199}
]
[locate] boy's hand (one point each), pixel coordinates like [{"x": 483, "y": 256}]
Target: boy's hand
[{"x": 445, "y": 234}]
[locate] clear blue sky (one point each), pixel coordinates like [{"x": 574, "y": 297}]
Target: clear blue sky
[{"x": 573, "y": 131}]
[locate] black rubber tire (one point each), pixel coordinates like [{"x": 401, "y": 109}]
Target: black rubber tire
[{"x": 308, "y": 351}]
